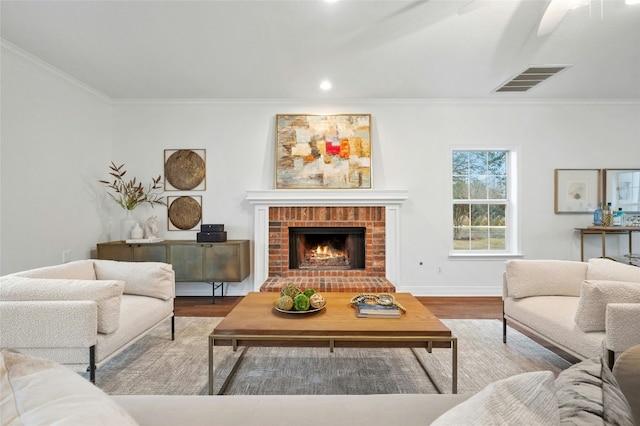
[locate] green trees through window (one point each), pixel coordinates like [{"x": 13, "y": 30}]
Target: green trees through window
[{"x": 480, "y": 200}]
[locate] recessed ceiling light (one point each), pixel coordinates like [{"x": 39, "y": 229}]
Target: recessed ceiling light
[{"x": 325, "y": 85}]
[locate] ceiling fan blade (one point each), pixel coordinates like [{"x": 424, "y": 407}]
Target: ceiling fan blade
[{"x": 555, "y": 12}]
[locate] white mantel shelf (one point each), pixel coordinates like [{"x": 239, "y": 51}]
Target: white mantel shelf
[
  {"x": 324, "y": 197},
  {"x": 263, "y": 199}
]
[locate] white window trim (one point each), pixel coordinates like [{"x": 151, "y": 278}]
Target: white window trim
[{"x": 513, "y": 243}]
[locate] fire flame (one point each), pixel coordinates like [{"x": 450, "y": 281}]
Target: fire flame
[{"x": 325, "y": 252}]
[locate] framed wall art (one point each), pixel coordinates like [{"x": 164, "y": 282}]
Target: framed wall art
[
  {"x": 185, "y": 169},
  {"x": 184, "y": 212},
  {"x": 622, "y": 189},
  {"x": 576, "y": 190},
  {"x": 323, "y": 151}
]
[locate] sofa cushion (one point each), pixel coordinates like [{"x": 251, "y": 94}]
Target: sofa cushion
[
  {"x": 34, "y": 391},
  {"x": 107, "y": 294},
  {"x": 524, "y": 399},
  {"x": 588, "y": 393},
  {"x": 153, "y": 279},
  {"x": 606, "y": 269},
  {"x": 595, "y": 295},
  {"x": 553, "y": 319},
  {"x": 76, "y": 270},
  {"x": 527, "y": 278}
]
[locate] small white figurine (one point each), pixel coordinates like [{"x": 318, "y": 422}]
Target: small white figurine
[{"x": 151, "y": 227}]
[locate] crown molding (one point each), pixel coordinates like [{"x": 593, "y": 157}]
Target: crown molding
[
  {"x": 10, "y": 47},
  {"x": 331, "y": 103}
]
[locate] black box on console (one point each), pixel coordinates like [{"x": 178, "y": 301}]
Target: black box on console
[
  {"x": 211, "y": 237},
  {"x": 211, "y": 228}
]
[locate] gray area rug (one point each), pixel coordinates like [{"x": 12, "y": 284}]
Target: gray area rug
[{"x": 157, "y": 365}]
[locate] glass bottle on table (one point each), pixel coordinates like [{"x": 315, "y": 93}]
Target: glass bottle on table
[
  {"x": 618, "y": 217},
  {"x": 597, "y": 216},
  {"x": 607, "y": 217}
]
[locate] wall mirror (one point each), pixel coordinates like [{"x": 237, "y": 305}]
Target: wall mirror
[{"x": 622, "y": 189}]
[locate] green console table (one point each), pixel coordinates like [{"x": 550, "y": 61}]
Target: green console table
[{"x": 215, "y": 263}]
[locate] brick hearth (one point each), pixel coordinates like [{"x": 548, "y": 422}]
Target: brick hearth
[{"x": 333, "y": 284}]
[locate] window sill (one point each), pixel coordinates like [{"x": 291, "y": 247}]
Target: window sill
[{"x": 484, "y": 256}]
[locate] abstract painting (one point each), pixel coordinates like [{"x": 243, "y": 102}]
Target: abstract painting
[{"x": 323, "y": 151}]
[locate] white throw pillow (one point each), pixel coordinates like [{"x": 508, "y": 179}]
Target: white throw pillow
[
  {"x": 526, "y": 278},
  {"x": 525, "y": 399},
  {"x": 35, "y": 391},
  {"x": 607, "y": 269},
  {"x": 153, "y": 279},
  {"x": 595, "y": 295},
  {"x": 107, "y": 294}
]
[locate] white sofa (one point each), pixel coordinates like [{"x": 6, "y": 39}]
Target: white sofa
[
  {"x": 40, "y": 392},
  {"x": 587, "y": 309},
  {"x": 82, "y": 313}
]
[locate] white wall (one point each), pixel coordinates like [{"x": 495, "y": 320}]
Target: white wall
[
  {"x": 411, "y": 147},
  {"x": 55, "y": 140}
]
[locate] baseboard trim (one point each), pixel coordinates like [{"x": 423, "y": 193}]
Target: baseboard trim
[{"x": 453, "y": 291}]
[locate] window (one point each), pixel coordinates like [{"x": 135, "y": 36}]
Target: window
[{"x": 483, "y": 202}]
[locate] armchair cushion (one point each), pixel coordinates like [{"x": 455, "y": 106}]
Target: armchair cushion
[
  {"x": 595, "y": 295},
  {"x": 527, "y": 278},
  {"x": 607, "y": 269},
  {"x": 620, "y": 322},
  {"x": 107, "y": 294},
  {"x": 153, "y": 279},
  {"x": 34, "y": 391},
  {"x": 76, "y": 270}
]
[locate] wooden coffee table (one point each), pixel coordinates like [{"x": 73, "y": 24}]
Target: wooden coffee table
[{"x": 254, "y": 322}]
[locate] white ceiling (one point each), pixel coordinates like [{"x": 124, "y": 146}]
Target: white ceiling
[{"x": 433, "y": 49}]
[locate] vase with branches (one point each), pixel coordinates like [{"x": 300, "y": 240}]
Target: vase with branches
[{"x": 131, "y": 193}]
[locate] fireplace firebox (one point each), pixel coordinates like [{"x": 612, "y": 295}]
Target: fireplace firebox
[{"x": 327, "y": 248}]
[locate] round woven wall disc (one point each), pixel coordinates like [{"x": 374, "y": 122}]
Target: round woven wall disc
[
  {"x": 185, "y": 213},
  {"x": 184, "y": 169}
]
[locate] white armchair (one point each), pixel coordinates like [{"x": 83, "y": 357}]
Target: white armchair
[{"x": 85, "y": 312}]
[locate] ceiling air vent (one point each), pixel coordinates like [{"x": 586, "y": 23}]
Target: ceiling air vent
[{"x": 530, "y": 77}]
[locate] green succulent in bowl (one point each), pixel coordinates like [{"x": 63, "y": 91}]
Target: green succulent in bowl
[{"x": 301, "y": 302}]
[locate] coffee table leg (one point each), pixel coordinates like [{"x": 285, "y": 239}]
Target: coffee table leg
[
  {"x": 234, "y": 367},
  {"x": 454, "y": 365},
  {"x": 210, "y": 365}
]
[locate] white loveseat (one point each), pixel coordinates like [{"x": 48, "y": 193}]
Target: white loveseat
[
  {"x": 39, "y": 392},
  {"x": 82, "y": 313},
  {"x": 587, "y": 309}
]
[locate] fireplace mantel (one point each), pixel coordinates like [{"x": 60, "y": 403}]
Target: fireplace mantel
[
  {"x": 327, "y": 197},
  {"x": 263, "y": 199}
]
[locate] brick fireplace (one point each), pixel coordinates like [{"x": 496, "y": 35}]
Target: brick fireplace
[
  {"x": 375, "y": 211},
  {"x": 371, "y": 218}
]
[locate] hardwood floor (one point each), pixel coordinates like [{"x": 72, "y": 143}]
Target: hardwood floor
[
  {"x": 202, "y": 307},
  {"x": 442, "y": 307}
]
